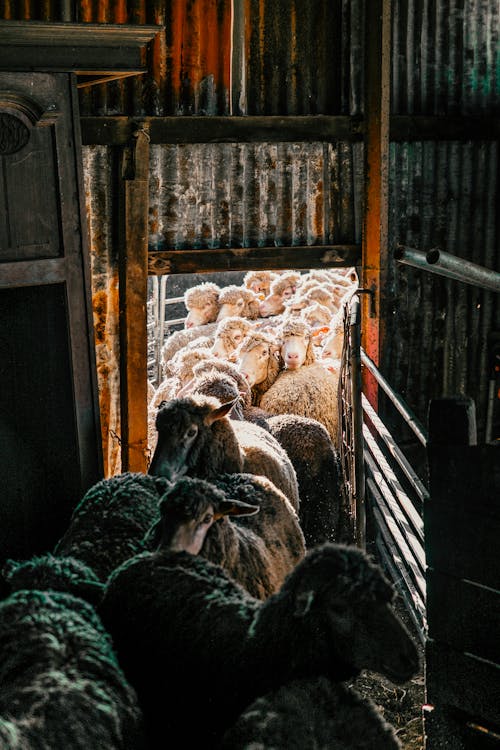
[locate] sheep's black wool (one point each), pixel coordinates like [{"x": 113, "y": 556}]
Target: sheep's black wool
[
  {"x": 110, "y": 521},
  {"x": 61, "y": 685},
  {"x": 195, "y": 644}
]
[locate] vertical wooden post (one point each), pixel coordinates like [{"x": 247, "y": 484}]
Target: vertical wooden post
[
  {"x": 376, "y": 188},
  {"x": 133, "y": 278}
]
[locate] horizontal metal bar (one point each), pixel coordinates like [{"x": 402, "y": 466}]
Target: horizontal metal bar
[
  {"x": 394, "y": 564},
  {"x": 387, "y": 473},
  {"x": 398, "y": 402},
  {"x": 390, "y": 531},
  {"x": 395, "y": 451},
  {"x": 174, "y": 321},
  {"x": 445, "y": 264},
  {"x": 391, "y": 507},
  {"x": 173, "y": 300}
]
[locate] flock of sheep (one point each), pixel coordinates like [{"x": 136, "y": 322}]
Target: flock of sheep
[{"x": 210, "y": 603}]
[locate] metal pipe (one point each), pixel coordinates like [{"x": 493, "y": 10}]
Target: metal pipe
[
  {"x": 398, "y": 402},
  {"x": 445, "y": 264}
]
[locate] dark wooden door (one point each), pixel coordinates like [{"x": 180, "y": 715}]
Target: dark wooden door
[{"x": 49, "y": 425}]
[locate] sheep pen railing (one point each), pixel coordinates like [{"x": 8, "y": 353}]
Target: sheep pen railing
[{"x": 395, "y": 497}]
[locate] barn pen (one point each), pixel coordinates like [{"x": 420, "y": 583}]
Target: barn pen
[{"x": 148, "y": 146}]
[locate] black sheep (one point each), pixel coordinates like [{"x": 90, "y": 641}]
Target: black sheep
[
  {"x": 199, "y": 649},
  {"x": 109, "y": 523}
]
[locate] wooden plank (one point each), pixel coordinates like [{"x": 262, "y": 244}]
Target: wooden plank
[
  {"x": 28, "y": 273},
  {"x": 78, "y": 47},
  {"x": 133, "y": 276},
  {"x": 116, "y": 131},
  {"x": 252, "y": 258},
  {"x": 376, "y": 183},
  {"x": 454, "y": 605},
  {"x": 463, "y": 682},
  {"x": 463, "y": 543}
]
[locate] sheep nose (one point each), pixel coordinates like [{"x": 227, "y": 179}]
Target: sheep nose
[
  {"x": 189, "y": 325},
  {"x": 245, "y": 375},
  {"x": 292, "y": 356}
]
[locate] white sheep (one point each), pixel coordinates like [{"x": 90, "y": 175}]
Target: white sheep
[
  {"x": 229, "y": 334},
  {"x": 238, "y": 301},
  {"x": 202, "y": 303}
]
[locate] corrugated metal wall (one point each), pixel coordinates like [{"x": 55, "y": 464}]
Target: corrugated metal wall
[
  {"x": 445, "y": 60},
  {"x": 306, "y": 57}
]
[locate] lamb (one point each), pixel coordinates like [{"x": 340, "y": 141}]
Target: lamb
[
  {"x": 257, "y": 538},
  {"x": 110, "y": 521},
  {"x": 238, "y": 301},
  {"x": 311, "y": 713},
  {"x": 229, "y": 334},
  {"x": 180, "y": 339},
  {"x": 259, "y": 361},
  {"x": 194, "y": 438},
  {"x": 62, "y": 686},
  {"x": 281, "y": 289},
  {"x": 259, "y": 281},
  {"x": 213, "y": 649},
  {"x": 202, "y": 303}
]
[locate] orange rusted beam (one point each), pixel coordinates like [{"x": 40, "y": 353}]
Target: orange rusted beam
[
  {"x": 376, "y": 187},
  {"x": 133, "y": 275}
]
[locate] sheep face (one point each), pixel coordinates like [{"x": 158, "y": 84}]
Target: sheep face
[
  {"x": 230, "y": 309},
  {"x": 199, "y": 316},
  {"x": 273, "y": 304},
  {"x": 294, "y": 351},
  {"x": 183, "y": 427},
  {"x": 254, "y": 364},
  {"x": 187, "y": 511},
  {"x": 333, "y": 344}
]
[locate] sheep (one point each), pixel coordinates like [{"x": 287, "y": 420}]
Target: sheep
[
  {"x": 238, "y": 301},
  {"x": 190, "y": 637},
  {"x": 109, "y": 523},
  {"x": 194, "y": 438},
  {"x": 259, "y": 281},
  {"x": 259, "y": 361},
  {"x": 311, "y": 713},
  {"x": 257, "y": 538},
  {"x": 179, "y": 339},
  {"x": 281, "y": 289},
  {"x": 317, "y": 465},
  {"x": 62, "y": 686},
  {"x": 50, "y": 573},
  {"x": 229, "y": 335},
  {"x": 305, "y": 387},
  {"x": 202, "y": 303}
]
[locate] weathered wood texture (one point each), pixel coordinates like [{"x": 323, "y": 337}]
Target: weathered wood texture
[
  {"x": 49, "y": 432},
  {"x": 133, "y": 275},
  {"x": 252, "y": 258},
  {"x": 116, "y": 130},
  {"x": 81, "y": 48},
  {"x": 462, "y": 528}
]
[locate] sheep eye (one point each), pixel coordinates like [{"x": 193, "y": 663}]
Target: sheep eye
[{"x": 191, "y": 433}]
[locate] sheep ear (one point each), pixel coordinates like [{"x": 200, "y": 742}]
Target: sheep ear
[
  {"x": 303, "y": 603},
  {"x": 221, "y": 412},
  {"x": 235, "y": 508}
]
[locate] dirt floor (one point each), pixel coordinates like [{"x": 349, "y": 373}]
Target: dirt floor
[{"x": 401, "y": 705}]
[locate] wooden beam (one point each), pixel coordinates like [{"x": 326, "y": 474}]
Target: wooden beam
[
  {"x": 82, "y": 48},
  {"x": 376, "y": 185},
  {"x": 116, "y": 131},
  {"x": 252, "y": 259},
  {"x": 133, "y": 276}
]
